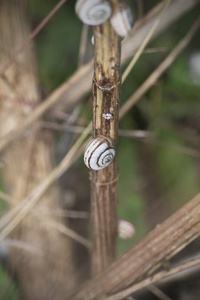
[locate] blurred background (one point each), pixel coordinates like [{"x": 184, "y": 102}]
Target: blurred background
[{"x": 158, "y": 172}]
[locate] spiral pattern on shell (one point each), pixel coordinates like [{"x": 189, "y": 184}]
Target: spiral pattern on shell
[
  {"x": 99, "y": 153},
  {"x": 122, "y": 20},
  {"x": 93, "y": 12},
  {"x": 126, "y": 230}
]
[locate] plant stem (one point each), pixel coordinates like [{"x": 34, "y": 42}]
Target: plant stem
[{"x": 106, "y": 92}]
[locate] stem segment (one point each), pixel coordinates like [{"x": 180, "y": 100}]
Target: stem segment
[{"x": 106, "y": 92}]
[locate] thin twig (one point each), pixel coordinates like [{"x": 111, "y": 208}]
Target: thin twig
[
  {"x": 149, "y": 138},
  {"x": 36, "y": 194},
  {"x": 52, "y": 99},
  {"x": 157, "y": 292},
  {"x": 67, "y": 231},
  {"x": 151, "y": 80},
  {"x": 31, "y": 37},
  {"x": 76, "y": 214},
  {"x": 140, "y": 8},
  {"x": 83, "y": 44},
  {"x": 59, "y": 170},
  {"x": 145, "y": 42},
  {"x": 22, "y": 245},
  {"x": 176, "y": 9},
  {"x": 193, "y": 263},
  {"x": 162, "y": 243},
  {"x": 6, "y": 197}
]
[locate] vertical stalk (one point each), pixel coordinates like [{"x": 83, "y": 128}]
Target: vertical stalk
[{"x": 106, "y": 93}]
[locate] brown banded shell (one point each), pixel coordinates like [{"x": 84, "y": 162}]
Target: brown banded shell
[
  {"x": 99, "y": 153},
  {"x": 126, "y": 230}
]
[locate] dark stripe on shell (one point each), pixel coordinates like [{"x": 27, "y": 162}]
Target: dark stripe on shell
[{"x": 99, "y": 143}]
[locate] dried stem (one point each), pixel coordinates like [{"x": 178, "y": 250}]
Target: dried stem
[
  {"x": 83, "y": 45},
  {"x": 193, "y": 263},
  {"x": 34, "y": 197},
  {"x": 64, "y": 165},
  {"x": 79, "y": 82},
  {"x": 159, "y": 71},
  {"x": 145, "y": 42},
  {"x": 158, "y": 246},
  {"x": 106, "y": 90},
  {"x": 42, "y": 108},
  {"x": 140, "y": 8},
  {"x": 31, "y": 37},
  {"x": 157, "y": 292}
]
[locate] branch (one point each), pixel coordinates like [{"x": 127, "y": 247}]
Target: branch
[
  {"x": 193, "y": 263},
  {"x": 151, "y": 80},
  {"x": 158, "y": 246}
]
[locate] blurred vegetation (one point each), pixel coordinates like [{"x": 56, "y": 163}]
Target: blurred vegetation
[
  {"x": 8, "y": 290},
  {"x": 170, "y": 109}
]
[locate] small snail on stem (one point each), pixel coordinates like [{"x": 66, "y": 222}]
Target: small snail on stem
[
  {"x": 99, "y": 153},
  {"x": 126, "y": 230},
  {"x": 122, "y": 20},
  {"x": 93, "y": 12}
]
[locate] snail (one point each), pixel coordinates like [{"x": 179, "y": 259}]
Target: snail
[
  {"x": 122, "y": 20},
  {"x": 126, "y": 230},
  {"x": 93, "y": 12},
  {"x": 99, "y": 153}
]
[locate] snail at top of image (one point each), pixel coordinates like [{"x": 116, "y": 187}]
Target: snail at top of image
[
  {"x": 96, "y": 12},
  {"x": 99, "y": 153}
]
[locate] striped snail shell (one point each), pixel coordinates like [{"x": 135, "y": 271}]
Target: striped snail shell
[
  {"x": 99, "y": 153},
  {"x": 93, "y": 12},
  {"x": 126, "y": 230},
  {"x": 122, "y": 20}
]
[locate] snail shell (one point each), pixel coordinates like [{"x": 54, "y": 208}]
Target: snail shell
[
  {"x": 93, "y": 12},
  {"x": 126, "y": 230},
  {"x": 122, "y": 20},
  {"x": 99, "y": 153}
]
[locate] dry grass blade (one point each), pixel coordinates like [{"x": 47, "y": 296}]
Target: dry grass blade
[
  {"x": 6, "y": 197},
  {"x": 194, "y": 263},
  {"x": 159, "y": 71},
  {"x": 147, "y": 256},
  {"x": 32, "y": 199},
  {"x": 157, "y": 292},
  {"x": 149, "y": 138},
  {"x": 22, "y": 245},
  {"x": 68, "y": 232},
  {"x": 176, "y": 9},
  {"x": 83, "y": 44},
  {"x": 145, "y": 42},
  {"x": 40, "y": 190},
  {"x": 76, "y": 214},
  {"x": 140, "y": 8},
  {"x": 31, "y": 37},
  {"x": 52, "y": 99}
]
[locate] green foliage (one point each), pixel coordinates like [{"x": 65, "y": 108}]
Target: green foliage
[
  {"x": 57, "y": 45},
  {"x": 8, "y": 290},
  {"x": 131, "y": 204}
]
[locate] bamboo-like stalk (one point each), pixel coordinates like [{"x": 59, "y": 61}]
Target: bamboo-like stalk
[{"x": 106, "y": 92}]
